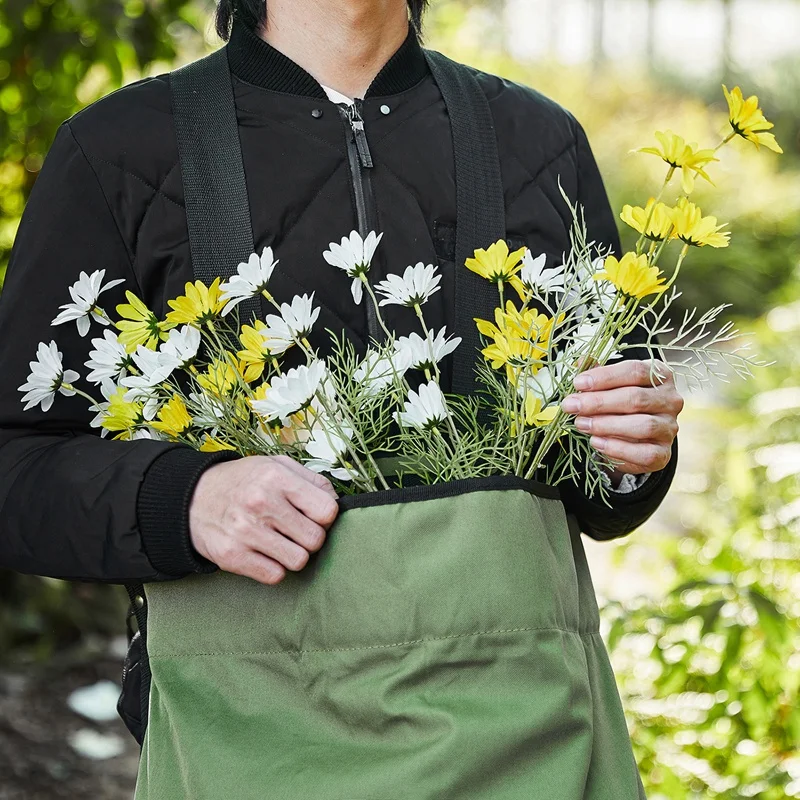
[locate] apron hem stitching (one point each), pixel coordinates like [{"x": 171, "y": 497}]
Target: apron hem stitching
[{"x": 370, "y": 647}]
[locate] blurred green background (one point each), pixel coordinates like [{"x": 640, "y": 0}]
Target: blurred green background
[{"x": 701, "y": 605}]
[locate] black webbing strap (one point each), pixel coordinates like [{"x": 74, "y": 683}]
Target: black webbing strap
[
  {"x": 480, "y": 205},
  {"x": 217, "y": 217},
  {"x": 214, "y": 186}
]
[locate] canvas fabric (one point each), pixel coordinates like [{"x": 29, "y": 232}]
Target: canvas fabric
[{"x": 443, "y": 644}]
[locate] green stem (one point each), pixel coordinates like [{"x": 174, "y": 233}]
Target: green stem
[
  {"x": 375, "y": 303},
  {"x": 641, "y": 240},
  {"x": 70, "y": 387}
]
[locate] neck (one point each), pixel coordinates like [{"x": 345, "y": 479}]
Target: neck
[{"x": 341, "y": 43}]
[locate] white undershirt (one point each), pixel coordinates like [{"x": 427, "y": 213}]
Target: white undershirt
[
  {"x": 628, "y": 482},
  {"x": 337, "y": 97}
]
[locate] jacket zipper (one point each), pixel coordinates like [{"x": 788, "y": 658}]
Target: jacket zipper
[{"x": 360, "y": 160}]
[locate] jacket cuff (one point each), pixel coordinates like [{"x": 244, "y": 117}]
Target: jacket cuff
[
  {"x": 651, "y": 486},
  {"x": 163, "y": 510}
]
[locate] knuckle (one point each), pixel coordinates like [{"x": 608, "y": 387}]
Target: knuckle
[
  {"x": 253, "y": 502},
  {"x": 230, "y": 556},
  {"x": 653, "y": 458},
  {"x": 296, "y": 559},
  {"x": 273, "y": 574},
  {"x": 272, "y": 473},
  {"x": 315, "y": 539},
  {"x": 638, "y": 398},
  {"x": 653, "y": 427},
  {"x": 328, "y": 510}
]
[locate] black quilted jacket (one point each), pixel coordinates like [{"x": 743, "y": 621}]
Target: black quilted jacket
[{"x": 109, "y": 197}]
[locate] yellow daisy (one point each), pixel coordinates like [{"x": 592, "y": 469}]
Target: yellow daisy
[
  {"x": 199, "y": 305},
  {"x": 256, "y": 353},
  {"x": 633, "y": 276},
  {"x": 534, "y": 415},
  {"x": 519, "y": 339},
  {"x": 654, "y": 221},
  {"x": 213, "y": 445},
  {"x": 692, "y": 228},
  {"x": 122, "y": 417},
  {"x": 219, "y": 379},
  {"x": 680, "y": 155},
  {"x": 748, "y": 120},
  {"x": 496, "y": 264},
  {"x": 173, "y": 418},
  {"x": 139, "y": 325}
]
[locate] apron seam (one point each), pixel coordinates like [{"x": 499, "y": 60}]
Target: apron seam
[{"x": 372, "y": 646}]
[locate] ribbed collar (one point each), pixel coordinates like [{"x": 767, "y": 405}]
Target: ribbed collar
[{"x": 257, "y": 62}]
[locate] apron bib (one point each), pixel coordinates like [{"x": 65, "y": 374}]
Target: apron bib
[{"x": 443, "y": 644}]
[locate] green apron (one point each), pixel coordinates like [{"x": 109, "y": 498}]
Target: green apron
[{"x": 442, "y": 645}]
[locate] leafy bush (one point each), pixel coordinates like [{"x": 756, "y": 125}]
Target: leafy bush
[{"x": 710, "y": 674}]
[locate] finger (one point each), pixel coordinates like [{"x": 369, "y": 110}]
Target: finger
[
  {"x": 315, "y": 503},
  {"x": 320, "y": 481},
  {"x": 626, "y": 400},
  {"x": 631, "y": 427},
  {"x": 257, "y": 566},
  {"x": 630, "y": 372},
  {"x": 289, "y": 522},
  {"x": 643, "y": 457},
  {"x": 276, "y": 546}
]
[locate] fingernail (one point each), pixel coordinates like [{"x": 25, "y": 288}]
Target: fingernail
[
  {"x": 571, "y": 404},
  {"x": 583, "y": 381},
  {"x": 583, "y": 423},
  {"x": 598, "y": 442}
]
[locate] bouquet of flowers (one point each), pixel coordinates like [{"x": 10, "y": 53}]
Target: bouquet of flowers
[{"x": 208, "y": 379}]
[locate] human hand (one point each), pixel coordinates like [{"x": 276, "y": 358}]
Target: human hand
[
  {"x": 261, "y": 515},
  {"x": 629, "y": 419}
]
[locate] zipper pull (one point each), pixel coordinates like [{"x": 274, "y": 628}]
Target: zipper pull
[{"x": 357, "y": 124}]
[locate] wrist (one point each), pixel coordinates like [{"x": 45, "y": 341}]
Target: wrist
[{"x": 163, "y": 505}]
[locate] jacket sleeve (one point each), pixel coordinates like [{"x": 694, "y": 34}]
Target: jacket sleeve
[
  {"x": 628, "y": 511},
  {"x": 74, "y": 505}
]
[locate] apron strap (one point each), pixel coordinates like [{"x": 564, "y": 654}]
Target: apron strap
[
  {"x": 217, "y": 206},
  {"x": 214, "y": 186},
  {"x": 480, "y": 204}
]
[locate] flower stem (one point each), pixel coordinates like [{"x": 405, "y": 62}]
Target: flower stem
[{"x": 641, "y": 240}]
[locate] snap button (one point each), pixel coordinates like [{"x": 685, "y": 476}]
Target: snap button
[
  {"x": 139, "y": 601},
  {"x": 385, "y": 110},
  {"x": 316, "y": 113}
]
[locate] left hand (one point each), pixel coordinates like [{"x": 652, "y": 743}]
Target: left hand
[{"x": 628, "y": 418}]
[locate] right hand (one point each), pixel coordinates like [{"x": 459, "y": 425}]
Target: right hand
[{"x": 261, "y": 515}]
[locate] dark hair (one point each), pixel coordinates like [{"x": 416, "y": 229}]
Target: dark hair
[{"x": 253, "y": 13}]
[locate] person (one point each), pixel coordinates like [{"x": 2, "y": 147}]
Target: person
[{"x": 109, "y": 197}]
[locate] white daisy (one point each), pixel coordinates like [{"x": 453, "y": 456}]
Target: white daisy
[
  {"x": 425, "y": 409},
  {"x": 83, "y": 308},
  {"x": 354, "y": 256},
  {"x": 48, "y": 377},
  {"x": 544, "y": 383},
  {"x": 582, "y": 338},
  {"x": 328, "y": 449},
  {"x": 411, "y": 289},
  {"x": 292, "y": 326},
  {"x": 108, "y": 388},
  {"x": 425, "y": 353},
  {"x": 291, "y": 392},
  {"x": 180, "y": 349},
  {"x": 377, "y": 371},
  {"x": 108, "y": 361},
  {"x": 146, "y": 386},
  {"x": 535, "y": 276},
  {"x": 251, "y": 280}
]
